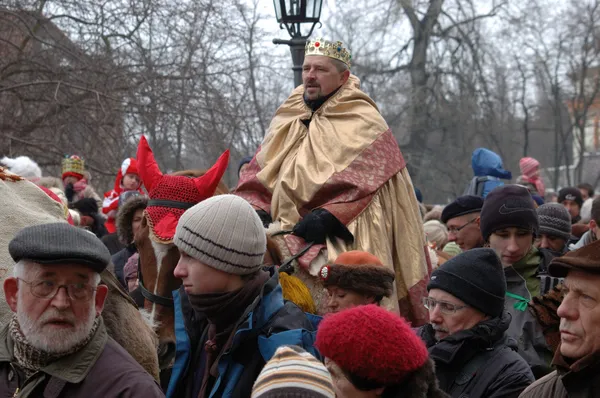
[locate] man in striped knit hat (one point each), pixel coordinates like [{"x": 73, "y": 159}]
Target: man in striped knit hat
[{"x": 230, "y": 316}]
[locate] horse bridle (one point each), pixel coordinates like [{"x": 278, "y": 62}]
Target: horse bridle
[{"x": 148, "y": 295}]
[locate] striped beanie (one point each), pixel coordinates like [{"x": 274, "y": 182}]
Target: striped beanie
[
  {"x": 555, "y": 220},
  {"x": 293, "y": 372},
  {"x": 223, "y": 232}
]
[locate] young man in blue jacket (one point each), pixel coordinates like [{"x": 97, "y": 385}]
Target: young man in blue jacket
[{"x": 230, "y": 316}]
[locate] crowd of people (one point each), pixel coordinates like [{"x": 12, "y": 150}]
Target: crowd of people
[{"x": 496, "y": 294}]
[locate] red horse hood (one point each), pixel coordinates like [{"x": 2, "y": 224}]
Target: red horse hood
[{"x": 170, "y": 196}]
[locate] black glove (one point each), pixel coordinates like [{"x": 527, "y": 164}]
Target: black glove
[
  {"x": 69, "y": 192},
  {"x": 265, "y": 218},
  {"x": 320, "y": 224}
]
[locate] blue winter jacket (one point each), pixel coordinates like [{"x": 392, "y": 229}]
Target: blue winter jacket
[
  {"x": 489, "y": 171},
  {"x": 267, "y": 324}
]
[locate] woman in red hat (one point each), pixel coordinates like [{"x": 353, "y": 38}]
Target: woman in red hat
[
  {"x": 371, "y": 352},
  {"x": 356, "y": 278}
]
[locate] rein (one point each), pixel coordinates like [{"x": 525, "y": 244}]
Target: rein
[
  {"x": 148, "y": 295},
  {"x": 288, "y": 264}
]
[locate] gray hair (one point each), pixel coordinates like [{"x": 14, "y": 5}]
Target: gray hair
[
  {"x": 339, "y": 65},
  {"x": 23, "y": 268},
  {"x": 436, "y": 233}
]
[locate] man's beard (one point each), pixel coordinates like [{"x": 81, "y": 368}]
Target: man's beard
[{"x": 54, "y": 340}]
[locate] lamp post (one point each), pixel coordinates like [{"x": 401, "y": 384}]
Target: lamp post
[{"x": 291, "y": 14}]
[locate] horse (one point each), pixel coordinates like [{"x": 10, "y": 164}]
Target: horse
[
  {"x": 169, "y": 196},
  {"x": 24, "y": 204}
]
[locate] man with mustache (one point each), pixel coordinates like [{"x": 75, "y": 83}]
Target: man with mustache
[
  {"x": 56, "y": 345},
  {"x": 466, "y": 336},
  {"x": 577, "y": 360},
  {"x": 330, "y": 170}
]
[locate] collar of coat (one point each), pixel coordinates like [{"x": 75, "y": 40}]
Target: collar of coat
[
  {"x": 73, "y": 368},
  {"x": 591, "y": 361},
  {"x": 461, "y": 346}
]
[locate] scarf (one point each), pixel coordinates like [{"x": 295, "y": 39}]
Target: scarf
[
  {"x": 223, "y": 310},
  {"x": 80, "y": 185},
  {"x": 527, "y": 267},
  {"x": 32, "y": 359}
]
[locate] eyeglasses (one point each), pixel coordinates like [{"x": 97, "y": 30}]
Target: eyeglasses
[
  {"x": 455, "y": 230},
  {"x": 46, "y": 289},
  {"x": 445, "y": 307}
]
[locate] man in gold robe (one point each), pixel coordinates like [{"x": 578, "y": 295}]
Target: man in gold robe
[{"x": 330, "y": 170}]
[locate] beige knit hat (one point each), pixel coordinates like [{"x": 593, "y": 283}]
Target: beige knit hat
[
  {"x": 293, "y": 372},
  {"x": 223, "y": 232}
]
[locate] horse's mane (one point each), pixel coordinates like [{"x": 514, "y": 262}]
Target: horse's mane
[{"x": 221, "y": 188}]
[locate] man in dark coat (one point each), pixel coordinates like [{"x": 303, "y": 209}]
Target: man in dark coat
[
  {"x": 466, "y": 336},
  {"x": 577, "y": 360},
  {"x": 56, "y": 345}
]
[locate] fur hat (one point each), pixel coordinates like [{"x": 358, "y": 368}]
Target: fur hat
[
  {"x": 371, "y": 344},
  {"x": 23, "y": 166},
  {"x": 170, "y": 196},
  {"x": 359, "y": 272},
  {"x": 125, "y": 217}
]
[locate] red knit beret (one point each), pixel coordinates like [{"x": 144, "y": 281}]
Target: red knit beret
[{"x": 372, "y": 344}]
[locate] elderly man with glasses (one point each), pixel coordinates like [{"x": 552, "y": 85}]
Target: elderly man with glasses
[
  {"x": 56, "y": 345},
  {"x": 466, "y": 336},
  {"x": 462, "y": 219}
]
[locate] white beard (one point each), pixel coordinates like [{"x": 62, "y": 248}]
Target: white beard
[{"x": 50, "y": 340}]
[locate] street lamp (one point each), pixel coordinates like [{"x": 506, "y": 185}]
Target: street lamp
[{"x": 291, "y": 14}]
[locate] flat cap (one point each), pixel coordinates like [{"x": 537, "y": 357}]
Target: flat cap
[
  {"x": 461, "y": 206},
  {"x": 57, "y": 243},
  {"x": 585, "y": 259}
]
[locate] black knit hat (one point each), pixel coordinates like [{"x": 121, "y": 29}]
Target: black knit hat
[
  {"x": 570, "y": 193},
  {"x": 461, "y": 206},
  {"x": 475, "y": 277},
  {"x": 508, "y": 206},
  {"x": 59, "y": 243},
  {"x": 554, "y": 220}
]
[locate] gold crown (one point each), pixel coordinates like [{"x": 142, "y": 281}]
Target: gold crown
[
  {"x": 73, "y": 164},
  {"x": 331, "y": 49}
]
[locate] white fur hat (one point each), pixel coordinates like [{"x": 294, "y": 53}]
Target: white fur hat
[{"x": 23, "y": 166}]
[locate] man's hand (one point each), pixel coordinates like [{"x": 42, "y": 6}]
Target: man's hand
[
  {"x": 265, "y": 218},
  {"x": 320, "y": 224}
]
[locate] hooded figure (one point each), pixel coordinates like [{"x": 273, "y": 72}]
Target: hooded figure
[
  {"x": 489, "y": 170},
  {"x": 530, "y": 174}
]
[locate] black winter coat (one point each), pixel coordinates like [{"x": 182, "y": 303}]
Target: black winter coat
[{"x": 478, "y": 362}]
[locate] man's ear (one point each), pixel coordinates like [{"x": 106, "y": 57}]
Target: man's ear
[
  {"x": 593, "y": 224},
  {"x": 101, "y": 294},
  {"x": 478, "y": 221},
  {"x": 345, "y": 76},
  {"x": 11, "y": 290}
]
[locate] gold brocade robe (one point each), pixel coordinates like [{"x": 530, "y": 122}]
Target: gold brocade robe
[{"x": 347, "y": 162}]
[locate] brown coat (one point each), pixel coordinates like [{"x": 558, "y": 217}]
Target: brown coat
[
  {"x": 101, "y": 369},
  {"x": 580, "y": 380}
]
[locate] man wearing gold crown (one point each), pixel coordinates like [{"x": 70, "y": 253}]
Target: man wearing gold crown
[{"x": 330, "y": 170}]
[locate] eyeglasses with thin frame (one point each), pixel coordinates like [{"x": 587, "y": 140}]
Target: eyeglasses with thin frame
[
  {"x": 455, "y": 230},
  {"x": 46, "y": 289},
  {"x": 445, "y": 307}
]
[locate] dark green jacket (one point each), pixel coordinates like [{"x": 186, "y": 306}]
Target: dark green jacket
[{"x": 101, "y": 369}]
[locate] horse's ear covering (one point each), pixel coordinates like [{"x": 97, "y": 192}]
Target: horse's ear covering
[{"x": 147, "y": 167}]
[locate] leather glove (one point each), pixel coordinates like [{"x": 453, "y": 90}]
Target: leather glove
[
  {"x": 320, "y": 224},
  {"x": 265, "y": 218}
]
